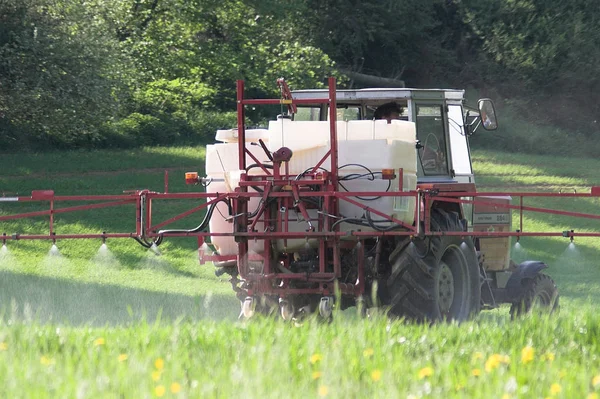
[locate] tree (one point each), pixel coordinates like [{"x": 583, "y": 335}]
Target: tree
[{"x": 55, "y": 88}]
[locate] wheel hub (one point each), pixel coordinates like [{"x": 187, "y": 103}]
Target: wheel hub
[{"x": 445, "y": 288}]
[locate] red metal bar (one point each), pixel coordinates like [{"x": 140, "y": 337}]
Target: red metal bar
[
  {"x": 286, "y": 94},
  {"x": 521, "y": 214},
  {"x": 52, "y": 211},
  {"x": 148, "y": 216},
  {"x": 337, "y": 263},
  {"x": 162, "y": 196},
  {"x": 265, "y": 235},
  {"x": 295, "y": 276},
  {"x": 513, "y": 194},
  {"x": 166, "y": 181},
  {"x": 75, "y": 198},
  {"x": 51, "y": 216},
  {"x": 260, "y": 164},
  {"x": 323, "y": 256},
  {"x": 242, "y": 223},
  {"x": 333, "y": 132},
  {"x": 360, "y": 281},
  {"x": 17, "y": 237},
  {"x": 241, "y": 125},
  {"x": 400, "y": 179},
  {"x": 524, "y": 208},
  {"x": 138, "y": 218},
  {"x": 346, "y": 289},
  {"x": 324, "y": 235},
  {"x": 264, "y": 101},
  {"x": 318, "y": 165}
]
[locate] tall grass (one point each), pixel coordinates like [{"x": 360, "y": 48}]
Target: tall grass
[
  {"x": 491, "y": 357},
  {"x": 131, "y": 324}
]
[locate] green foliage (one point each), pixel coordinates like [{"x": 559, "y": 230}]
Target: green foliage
[
  {"x": 128, "y": 72},
  {"x": 540, "y": 41},
  {"x": 53, "y": 60},
  {"x": 167, "y": 128},
  {"x": 173, "y": 95}
]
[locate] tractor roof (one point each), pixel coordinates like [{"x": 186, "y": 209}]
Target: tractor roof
[{"x": 358, "y": 96}]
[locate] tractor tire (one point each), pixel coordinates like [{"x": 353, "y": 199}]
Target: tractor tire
[
  {"x": 436, "y": 278},
  {"x": 539, "y": 295}
]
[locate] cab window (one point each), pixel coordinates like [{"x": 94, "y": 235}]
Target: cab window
[{"x": 430, "y": 132}]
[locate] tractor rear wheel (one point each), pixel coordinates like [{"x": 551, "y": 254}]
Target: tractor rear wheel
[
  {"x": 436, "y": 278},
  {"x": 540, "y": 295}
]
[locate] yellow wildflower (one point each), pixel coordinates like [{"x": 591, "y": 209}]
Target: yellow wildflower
[
  {"x": 156, "y": 375},
  {"x": 317, "y": 357},
  {"x": 159, "y": 390},
  {"x": 368, "y": 352},
  {"x": 3, "y": 346},
  {"x": 159, "y": 363},
  {"x": 476, "y": 372},
  {"x": 175, "y": 387},
  {"x": 527, "y": 354},
  {"x": 592, "y": 395},
  {"x": 122, "y": 357},
  {"x": 376, "y": 375},
  {"x": 46, "y": 361},
  {"x": 596, "y": 381},
  {"x": 99, "y": 341},
  {"x": 459, "y": 387},
  {"x": 477, "y": 356},
  {"x": 555, "y": 389},
  {"x": 549, "y": 356},
  {"x": 494, "y": 361},
  {"x": 506, "y": 396},
  {"x": 323, "y": 390},
  {"x": 316, "y": 375},
  {"x": 425, "y": 372}
]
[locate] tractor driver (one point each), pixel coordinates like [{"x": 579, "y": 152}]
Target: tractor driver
[
  {"x": 430, "y": 153},
  {"x": 388, "y": 111}
]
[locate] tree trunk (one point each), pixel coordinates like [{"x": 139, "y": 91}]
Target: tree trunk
[{"x": 362, "y": 79}]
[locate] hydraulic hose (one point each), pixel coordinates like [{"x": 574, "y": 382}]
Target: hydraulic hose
[{"x": 202, "y": 226}]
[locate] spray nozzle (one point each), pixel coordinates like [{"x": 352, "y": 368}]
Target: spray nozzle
[{"x": 569, "y": 234}]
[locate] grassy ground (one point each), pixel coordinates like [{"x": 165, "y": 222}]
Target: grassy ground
[
  {"x": 491, "y": 357},
  {"x": 131, "y": 324}
]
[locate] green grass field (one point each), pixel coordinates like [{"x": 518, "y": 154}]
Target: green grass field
[{"x": 131, "y": 324}]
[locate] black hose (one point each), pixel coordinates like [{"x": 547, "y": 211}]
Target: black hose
[
  {"x": 147, "y": 244},
  {"x": 375, "y": 227},
  {"x": 255, "y": 165}
]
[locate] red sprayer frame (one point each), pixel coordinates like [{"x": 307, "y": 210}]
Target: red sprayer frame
[{"x": 287, "y": 191}]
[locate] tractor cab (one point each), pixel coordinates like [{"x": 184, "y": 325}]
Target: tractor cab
[{"x": 442, "y": 123}]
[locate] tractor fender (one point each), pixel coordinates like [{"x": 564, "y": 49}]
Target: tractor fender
[{"x": 525, "y": 271}]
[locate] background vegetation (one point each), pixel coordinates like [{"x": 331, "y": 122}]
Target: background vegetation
[{"x": 128, "y": 73}]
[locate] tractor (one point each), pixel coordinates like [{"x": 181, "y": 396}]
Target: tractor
[{"x": 367, "y": 198}]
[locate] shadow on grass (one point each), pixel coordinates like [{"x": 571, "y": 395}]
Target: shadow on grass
[{"x": 44, "y": 299}]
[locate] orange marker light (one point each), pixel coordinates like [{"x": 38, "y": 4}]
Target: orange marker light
[
  {"x": 388, "y": 174},
  {"x": 191, "y": 178}
]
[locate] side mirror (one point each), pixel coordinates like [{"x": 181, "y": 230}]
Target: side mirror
[{"x": 487, "y": 113}]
